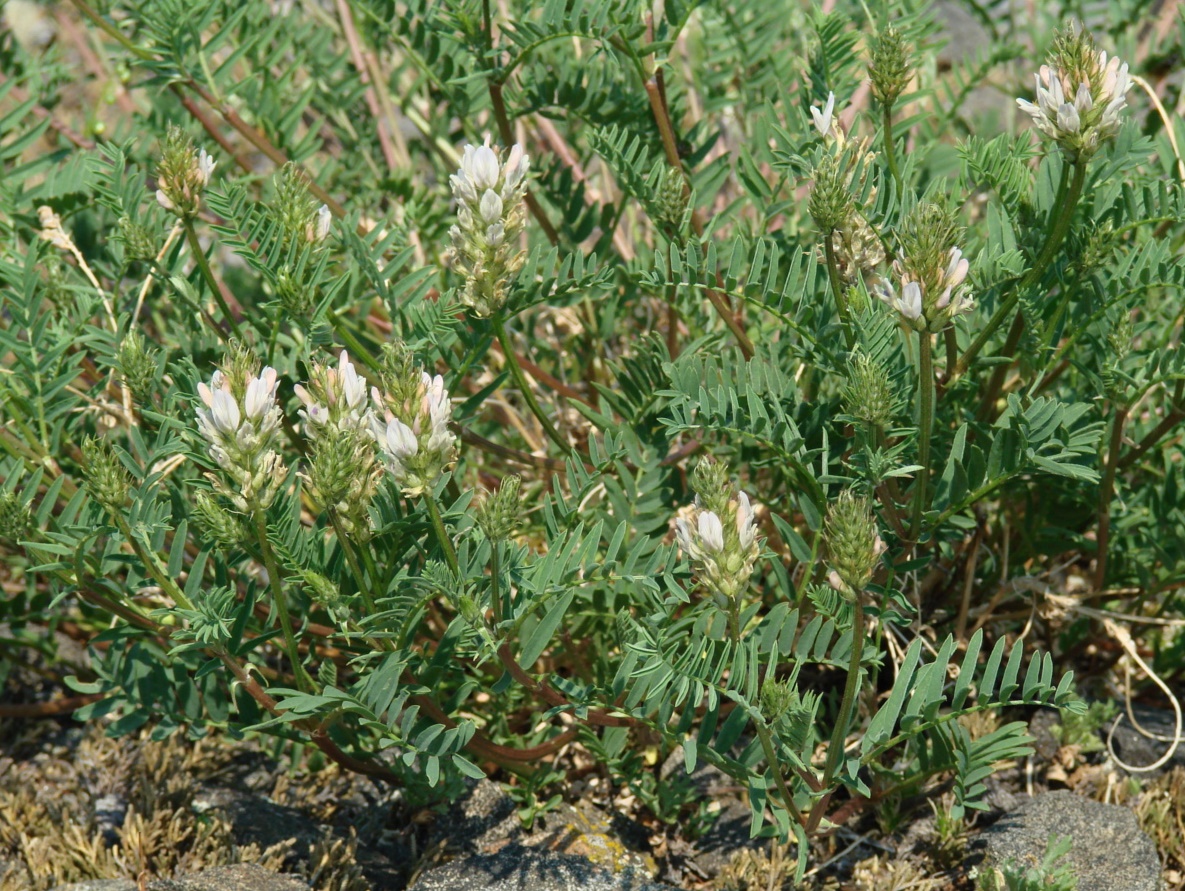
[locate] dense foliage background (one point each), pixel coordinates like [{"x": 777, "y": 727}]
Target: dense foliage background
[{"x": 688, "y": 304}]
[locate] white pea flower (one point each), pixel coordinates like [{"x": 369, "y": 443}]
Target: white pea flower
[{"x": 823, "y": 119}]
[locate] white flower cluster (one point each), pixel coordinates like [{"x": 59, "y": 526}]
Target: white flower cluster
[
  {"x": 490, "y": 214},
  {"x": 240, "y": 422},
  {"x": 416, "y": 440},
  {"x": 337, "y": 401},
  {"x": 343, "y": 472},
  {"x": 910, "y": 299},
  {"x": 1079, "y": 101},
  {"x": 723, "y": 550}
]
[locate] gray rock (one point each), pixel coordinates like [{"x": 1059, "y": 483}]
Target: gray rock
[
  {"x": 98, "y": 885},
  {"x": 519, "y": 868},
  {"x": 239, "y": 877},
  {"x": 729, "y": 833},
  {"x": 1137, "y": 749},
  {"x": 255, "y": 819},
  {"x": 1109, "y": 853},
  {"x": 483, "y": 819}
]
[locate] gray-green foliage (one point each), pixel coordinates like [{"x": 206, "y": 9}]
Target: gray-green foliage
[
  {"x": 1048, "y": 875},
  {"x": 674, "y": 298}
]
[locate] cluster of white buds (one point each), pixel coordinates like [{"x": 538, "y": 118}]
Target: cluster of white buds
[
  {"x": 335, "y": 399},
  {"x": 343, "y": 472},
  {"x": 1080, "y": 94},
  {"x": 490, "y": 215},
  {"x": 930, "y": 286},
  {"x": 240, "y": 422},
  {"x": 414, "y": 433},
  {"x": 719, "y": 535},
  {"x": 183, "y": 175}
]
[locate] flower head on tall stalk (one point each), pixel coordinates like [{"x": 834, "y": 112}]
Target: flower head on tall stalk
[
  {"x": 929, "y": 276},
  {"x": 183, "y": 174},
  {"x": 1080, "y": 93},
  {"x": 240, "y": 421},
  {"x": 411, "y": 425},
  {"x": 719, "y": 534},
  {"x": 490, "y": 215},
  {"x": 840, "y": 195},
  {"x": 343, "y": 472}
]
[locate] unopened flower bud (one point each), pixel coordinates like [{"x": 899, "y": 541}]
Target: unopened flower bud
[
  {"x": 138, "y": 365},
  {"x": 107, "y": 480},
  {"x": 777, "y": 698},
  {"x": 182, "y": 175},
  {"x": 16, "y": 520},
  {"x": 854, "y": 545},
  {"x": 139, "y": 243},
  {"x": 671, "y": 199},
  {"x": 866, "y": 394},
  {"x": 295, "y": 209},
  {"x": 831, "y": 203},
  {"x": 215, "y": 522},
  {"x": 498, "y": 515},
  {"x": 889, "y": 69}
]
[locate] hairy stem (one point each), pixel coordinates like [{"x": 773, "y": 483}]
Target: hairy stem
[
  {"x": 442, "y": 536},
  {"x": 1106, "y": 491},
  {"x": 1062, "y": 215},
  {"x": 841, "y": 301},
  {"x": 925, "y": 429},
  {"x": 890, "y": 149},
  {"x": 275, "y": 582},
  {"x": 850, "y": 691},
  {"x": 203, "y": 263}
]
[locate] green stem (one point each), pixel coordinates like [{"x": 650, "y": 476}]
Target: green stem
[
  {"x": 442, "y": 536},
  {"x": 343, "y": 542},
  {"x": 496, "y": 581},
  {"x": 850, "y": 690},
  {"x": 925, "y": 429},
  {"x": 199, "y": 257},
  {"x": 841, "y": 301},
  {"x": 152, "y": 564},
  {"x": 1106, "y": 491},
  {"x": 890, "y": 149},
  {"x": 275, "y": 582},
  {"x": 1063, "y": 214},
  {"x": 524, "y": 387},
  {"x": 760, "y": 727}
]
